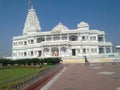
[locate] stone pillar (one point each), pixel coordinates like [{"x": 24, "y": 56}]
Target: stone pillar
[
  {"x": 45, "y": 38},
  {"x": 50, "y": 53},
  {"x": 42, "y": 52},
  {"x": 77, "y": 36},
  {"x": 59, "y": 51},
  {"x": 68, "y": 36},
  {"x": 96, "y": 37},
  {"x": 67, "y": 51},
  {"x": 104, "y": 49},
  {"x": 111, "y": 50},
  {"x": 98, "y": 49},
  {"x": 52, "y": 37},
  {"x": 36, "y": 52},
  {"x": 60, "y": 37},
  {"x": 35, "y": 40},
  {"x": 103, "y": 38},
  {"x": 81, "y": 45}
]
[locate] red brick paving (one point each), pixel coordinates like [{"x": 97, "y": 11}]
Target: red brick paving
[{"x": 81, "y": 77}]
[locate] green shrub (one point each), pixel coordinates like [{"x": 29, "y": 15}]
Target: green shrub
[{"x": 34, "y": 61}]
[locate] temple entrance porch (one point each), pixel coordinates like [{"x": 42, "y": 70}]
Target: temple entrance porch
[{"x": 56, "y": 50}]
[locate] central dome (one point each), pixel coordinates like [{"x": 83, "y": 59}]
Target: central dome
[
  {"x": 60, "y": 28},
  {"x": 83, "y": 24}
]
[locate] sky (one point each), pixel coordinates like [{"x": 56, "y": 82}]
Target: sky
[{"x": 103, "y": 15}]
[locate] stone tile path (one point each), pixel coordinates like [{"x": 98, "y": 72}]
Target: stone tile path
[{"x": 81, "y": 77}]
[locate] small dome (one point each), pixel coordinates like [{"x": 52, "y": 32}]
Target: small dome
[
  {"x": 60, "y": 28},
  {"x": 117, "y": 46},
  {"x": 83, "y": 25}
]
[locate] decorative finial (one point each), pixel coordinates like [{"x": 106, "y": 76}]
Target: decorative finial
[
  {"x": 60, "y": 23},
  {"x": 29, "y": 4}
]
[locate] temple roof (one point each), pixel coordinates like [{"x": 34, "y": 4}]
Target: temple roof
[
  {"x": 32, "y": 23},
  {"x": 60, "y": 28}
]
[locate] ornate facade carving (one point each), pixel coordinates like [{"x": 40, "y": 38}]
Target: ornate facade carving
[
  {"x": 60, "y": 41},
  {"x": 32, "y": 23},
  {"x": 59, "y": 28}
]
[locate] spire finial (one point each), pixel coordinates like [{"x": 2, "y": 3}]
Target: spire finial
[{"x": 29, "y": 4}]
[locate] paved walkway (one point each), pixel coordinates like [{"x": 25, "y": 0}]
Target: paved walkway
[{"x": 81, "y": 77}]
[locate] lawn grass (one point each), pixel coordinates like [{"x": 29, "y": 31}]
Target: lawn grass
[
  {"x": 12, "y": 73},
  {"x": 9, "y": 74}
]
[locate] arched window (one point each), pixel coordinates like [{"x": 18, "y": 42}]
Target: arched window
[
  {"x": 64, "y": 49},
  {"x": 64, "y": 37},
  {"x": 32, "y": 41},
  {"x": 56, "y": 37},
  {"x": 100, "y": 38},
  {"x": 31, "y": 53},
  {"x": 83, "y": 38},
  {"x": 46, "y": 49},
  {"x": 84, "y": 50},
  {"x": 48, "y": 38},
  {"x": 25, "y": 43},
  {"x": 39, "y": 40},
  {"x": 25, "y": 54},
  {"x": 73, "y": 38},
  {"x": 101, "y": 50}
]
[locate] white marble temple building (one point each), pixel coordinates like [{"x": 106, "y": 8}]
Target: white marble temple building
[{"x": 60, "y": 41}]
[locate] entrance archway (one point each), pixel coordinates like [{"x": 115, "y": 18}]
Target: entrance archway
[
  {"x": 55, "y": 51},
  {"x": 46, "y": 51}
]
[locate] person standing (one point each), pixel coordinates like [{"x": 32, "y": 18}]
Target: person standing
[{"x": 86, "y": 61}]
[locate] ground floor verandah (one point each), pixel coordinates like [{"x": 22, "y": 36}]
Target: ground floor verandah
[
  {"x": 63, "y": 50},
  {"x": 67, "y": 50}
]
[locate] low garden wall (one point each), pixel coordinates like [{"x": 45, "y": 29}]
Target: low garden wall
[
  {"x": 30, "y": 78},
  {"x": 42, "y": 77},
  {"x": 33, "y": 82}
]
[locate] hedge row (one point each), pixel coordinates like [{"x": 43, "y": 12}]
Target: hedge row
[{"x": 32, "y": 61}]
